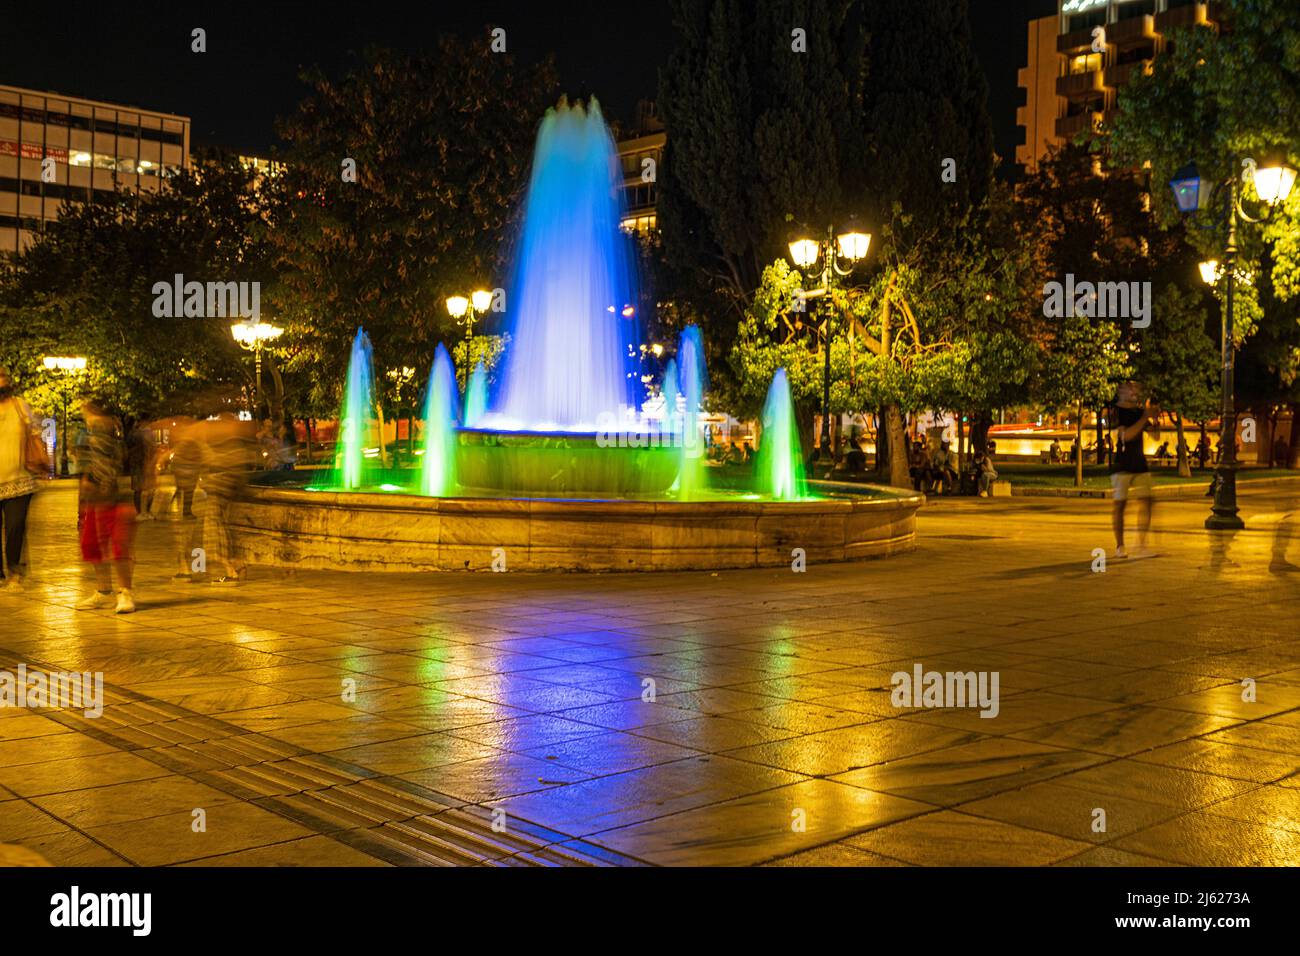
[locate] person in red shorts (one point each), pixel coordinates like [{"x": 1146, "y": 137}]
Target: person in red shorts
[{"x": 107, "y": 519}]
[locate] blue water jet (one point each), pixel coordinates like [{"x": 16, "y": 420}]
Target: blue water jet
[{"x": 571, "y": 308}]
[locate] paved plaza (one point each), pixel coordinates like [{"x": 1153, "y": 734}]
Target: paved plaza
[{"x": 738, "y": 717}]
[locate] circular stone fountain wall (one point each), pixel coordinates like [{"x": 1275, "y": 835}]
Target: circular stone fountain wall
[{"x": 388, "y": 532}]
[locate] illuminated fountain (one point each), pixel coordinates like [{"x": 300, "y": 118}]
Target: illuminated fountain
[
  {"x": 441, "y": 414},
  {"x": 357, "y": 461},
  {"x": 559, "y": 465},
  {"x": 778, "y": 468}
]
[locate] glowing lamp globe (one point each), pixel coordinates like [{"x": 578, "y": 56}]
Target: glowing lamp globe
[
  {"x": 804, "y": 252},
  {"x": 853, "y": 245},
  {"x": 1273, "y": 182}
]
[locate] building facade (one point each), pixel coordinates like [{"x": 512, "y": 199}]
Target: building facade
[
  {"x": 1078, "y": 60},
  {"x": 641, "y": 153},
  {"x": 56, "y": 149}
]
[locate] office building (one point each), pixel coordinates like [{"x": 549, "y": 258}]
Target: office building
[{"x": 92, "y": 148}]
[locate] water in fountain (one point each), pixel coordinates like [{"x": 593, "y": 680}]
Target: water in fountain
[
  {"x": 357, "y": 455},
  {"x": 571, "y": 307},
  {"x": 778, "y": 469},
  {"x": 692, "y": 380},
  {"x": 475, "y": 397},
  {"x": 441, "y": 413}
]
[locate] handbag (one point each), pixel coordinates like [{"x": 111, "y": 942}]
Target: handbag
[{"x": 35, "y": 458}]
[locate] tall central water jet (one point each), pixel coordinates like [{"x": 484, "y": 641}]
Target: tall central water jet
[{"x": 571, "y": 308}]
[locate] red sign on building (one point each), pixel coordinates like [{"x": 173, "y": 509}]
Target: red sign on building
[{"x": 32, "y": 151}]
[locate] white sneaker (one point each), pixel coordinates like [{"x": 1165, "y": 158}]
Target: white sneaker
[
  {"x": 1120, "y": 553},
  {"x": 13, "y": 584},
  {"x": 96, "y": 600},
  {"x": 125, "y": 603}
]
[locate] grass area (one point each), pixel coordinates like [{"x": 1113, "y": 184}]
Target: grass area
[{"x": 1096, "y": 476}]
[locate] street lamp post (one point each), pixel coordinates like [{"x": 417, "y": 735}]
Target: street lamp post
[
  {"x": 850, "y": 245},
  {"x": 466, "y": 311},
  {"x": 252, "y": 336},
  {"x": 67, "y": 365},
  {"x": 1272, "y": 184}
]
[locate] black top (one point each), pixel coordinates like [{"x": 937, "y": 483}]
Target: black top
[{"x": 1128, "y": 454}]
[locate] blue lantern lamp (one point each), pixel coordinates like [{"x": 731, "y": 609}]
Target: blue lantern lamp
[{"x": 1188, "y": 189}]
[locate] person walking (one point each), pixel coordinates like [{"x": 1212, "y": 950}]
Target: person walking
[
  {"x": 186, "y": 463},
  {"x": 140, "y": 462},
  {"x": 17, "y": 483},
  {"x": 228, "y": 452},
  {"x": 1129, "y": 474},
  {"x": 107, "y": 522}
]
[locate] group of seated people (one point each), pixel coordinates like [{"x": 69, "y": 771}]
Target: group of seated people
[
  {"x": 936, "y": 472},
  {"x": 731, "y": 453}
]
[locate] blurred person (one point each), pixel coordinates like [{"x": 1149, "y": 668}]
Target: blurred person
[
  {"x": 141, "y": 464},
  {"x": 1129, "y": 474},
  {"x": 1278, "y": 564},
  {"x": 17, "y": 482},
  {"x": 227, "y": 455},
  {"x": 856, "y": 458},
  {"x": 1203, "y": 450},
  {"x": 942, "y": 469},
  {"x": 276, "y": 453},
  {"x": 186, "y": 462},
  {"x": 107, "y": 522},
  {"x": 985, "y": 474},
  {"x": 1054, "y": 451},
  {"x": 918, "y": 466}
]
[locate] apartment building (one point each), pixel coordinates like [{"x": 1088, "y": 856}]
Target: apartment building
[
  {"x": 641, "y": 153},
  {"x": 1079, "y": 59},
  {"x": 56, "y": 148}
]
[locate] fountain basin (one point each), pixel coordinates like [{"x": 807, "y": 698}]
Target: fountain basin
[
  {"x": 389, "y": 532},
  {"x": 564, "y": 464}
]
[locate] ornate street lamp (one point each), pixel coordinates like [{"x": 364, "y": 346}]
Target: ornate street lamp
[
  {"x": 253, "y": 336},
  {"x": 849, "y": 244},
  {"x": 67, "y": 365},
  {"x": 1273, "y": 183},
  {"x": 465, "y": 311}
]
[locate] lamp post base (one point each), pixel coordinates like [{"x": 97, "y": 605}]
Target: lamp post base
[{"x": 1223, "y": 515}]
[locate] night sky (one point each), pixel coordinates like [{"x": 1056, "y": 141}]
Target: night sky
[{"x": 139, "y": 53}]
